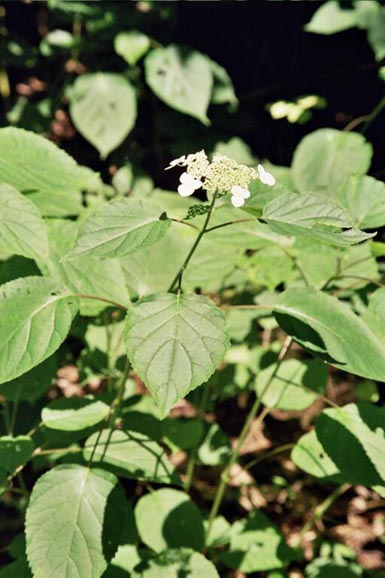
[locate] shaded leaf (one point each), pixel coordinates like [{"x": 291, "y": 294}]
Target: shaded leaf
[
  {"x": 15, "y": 452},
  {"x": 182, "y": 79},
  {"x": 176, "y": 563},
  {"x": 74, "y": 413},
  {"x": 133, "y": 454},
  {"x": 178, "y": 522},
  {"x": 330, "y": 330},
  {"x": 295, "y": 385},
  {"x": 103, "y": 109}
]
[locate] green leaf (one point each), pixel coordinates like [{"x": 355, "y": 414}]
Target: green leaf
[
  {"x": 33, "y": 384},
  {"x": 15, "y": 452},
  {"x": 178, "y": 522},
  {"x": 223, "y": 90},
  {"x": 324, "y": 159},
  {"x": 323, "y": 568},
  {"x": 374, "y": 316},
  {"x": 175, "y": 343},
  {"x": 60, "y": 204},
  {"x": 119, "y": 228},
  {"x": 331, "y": 18},
  {"x": 38, "y": 315},
  {"x": 330, "y": 330},
  {"x": 103, "y": 109},
  {"x": 312, "y": 216},
  {"x": 364, "y": 199},
  {"x": 256, "y": 545},
  {"x": 18, "y": 569},
  {"x": 177, "y": 563},
  {"x": 310, "y": 456},
  {"x": 182, "y": 79},
  {"x": 22, "y": 230},
  {"x": 295, "y": 385},
  {"x": 131, "y": 45},
  {"x": 30, "y": 162},
  {"x": 358, "y": 456},
  {"x": 74, "y": 522},
  {"x": 181, "y": 433},
  {"x": 133, "y": 455},
  {"x": 91, "y": 276},
  {"x": 74, "y": 413},
  {"x": 215, "y": 447}
]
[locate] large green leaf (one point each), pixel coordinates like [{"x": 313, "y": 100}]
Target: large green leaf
[
  {"x": 295, "y": 385},
  {"x": 178, "y": 522},
  {"x": 37, "y": 315},
  {"x": 182, "y": 78},
  {"x": 119, "y": 228},
  {"x": 103, "y": 109},
  {"x": 256, "y": 545},
  {"x": 329, "y": 329},
  {"x": 22, "y": 230},
  {"x": 175, "y": 343},
  {"x": 325, "y": 158},
  {"x": 74, "y": 522},
  {"x": 177, "y": 563},
  {"x": 30, "y": 162},
  {"x": 364, "y": 199},
  {"x": 132, "y": 454},
  {"x": 313, "y": 216},
  {"x": 74, "y": 413},
  {"x": 91, "y": 276},
  {"x": 357, "y": 458}
]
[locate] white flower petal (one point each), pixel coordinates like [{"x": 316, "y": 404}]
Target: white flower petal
[
  {"x": 237, "y": 201},
  {"x": 240, "y": 192},
  {"x": 189, "y": 181},
  {"x": 180, "y": 161},
  {"x": 185, "y": 190},
  {"x": 265, "y": 177}
]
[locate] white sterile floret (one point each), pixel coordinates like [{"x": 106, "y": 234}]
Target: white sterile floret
[
  {"x": 238, "y": 195},
  {"x": 181, "y": 161},
  {"x": 237, "y": 201},
  {"x": 265, "y": 177},
  {"x": 188, "y": 185}
]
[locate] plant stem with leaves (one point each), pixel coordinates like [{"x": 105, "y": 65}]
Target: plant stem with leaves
[{"x": 242, "y": 436}]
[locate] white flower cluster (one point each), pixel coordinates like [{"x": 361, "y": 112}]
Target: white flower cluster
[{"x": 223, "y": 175}]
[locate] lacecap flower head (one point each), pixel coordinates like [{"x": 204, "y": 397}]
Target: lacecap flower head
[{"x": 221, "y": 176}]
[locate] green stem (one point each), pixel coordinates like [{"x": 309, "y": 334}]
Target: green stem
[
  {"x": 268, "y": 455},
  {"x": 261, "y": 307},
  {"x": 114, "y": 303},
  {"x": 178, "y": 277},
  {"x": 242, "y": 436},
  {"x": 114, "y": 408},
  {"x": 228, "y": 223},
  {"x": 373, "y": 115},
  {"x": 14, "y": 412},
  {"x": 193, "y": 458},
  {"x": 320, "y": 511}
]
